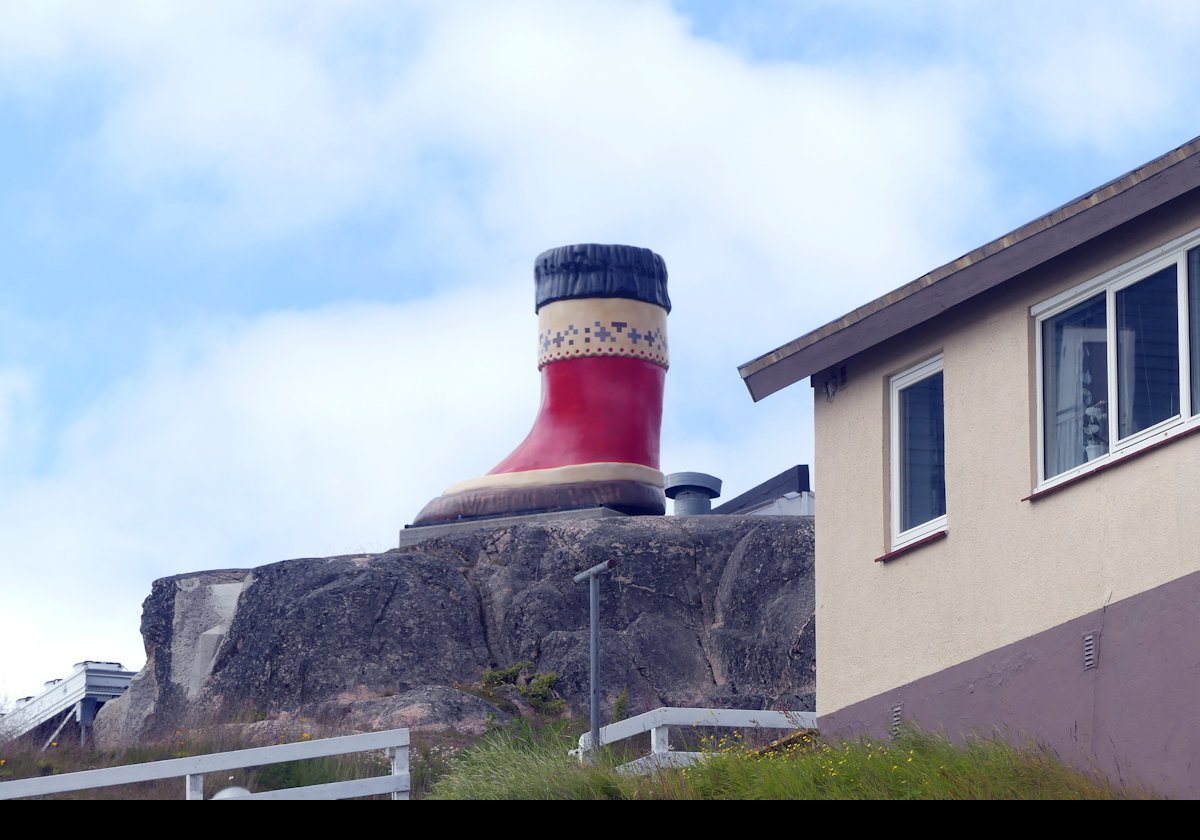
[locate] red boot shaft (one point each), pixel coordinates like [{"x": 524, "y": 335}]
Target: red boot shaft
[{"x": 594, "y": 409}]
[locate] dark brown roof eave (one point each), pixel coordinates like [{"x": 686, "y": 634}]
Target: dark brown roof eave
[{"x": 1067, "y": 227}]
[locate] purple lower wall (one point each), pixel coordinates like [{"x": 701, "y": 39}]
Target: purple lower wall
[{"x": 1135, "y": 716}]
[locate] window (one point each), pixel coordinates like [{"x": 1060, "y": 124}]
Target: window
[
  {"x": 918, "y": 448},
  {"x": 1119, "y": 361}
]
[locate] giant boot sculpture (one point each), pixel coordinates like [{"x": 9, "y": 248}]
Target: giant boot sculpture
[{"x": 602, "y": 352}]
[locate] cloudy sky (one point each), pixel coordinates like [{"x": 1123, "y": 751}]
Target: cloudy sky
[{"x": 265, "y": 267}]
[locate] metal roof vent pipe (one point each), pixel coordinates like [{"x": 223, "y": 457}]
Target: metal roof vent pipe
[{"x": 692, "y": 492}]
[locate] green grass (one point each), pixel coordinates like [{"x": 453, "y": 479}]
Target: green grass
[
  {"x": 521, "y": 764},
  {"x": 915, "y": 765}
]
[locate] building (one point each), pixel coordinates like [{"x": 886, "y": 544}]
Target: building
[
  {"x": 787, "y": 494},
  {"x": 75, "y": 699},
  {"x": 1006, "y": 453}
]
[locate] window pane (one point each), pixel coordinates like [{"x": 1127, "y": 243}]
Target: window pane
[
  {"x": 1194, "y": 321},
  {"x": 1075, "y": 386},
  {"x": 922, "y": 453},
  {"x": 1147, "y": 352}
]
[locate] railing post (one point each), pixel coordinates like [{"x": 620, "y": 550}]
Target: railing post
[
  {"x": 660, "y": 739},
  {"x": 193, "y": 786},
  {"x": 399, "y": 757}
]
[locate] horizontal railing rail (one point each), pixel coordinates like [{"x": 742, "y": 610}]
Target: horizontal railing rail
[
  {"x": 394, "y": 742},
  {"x": 659, "y": 721}
]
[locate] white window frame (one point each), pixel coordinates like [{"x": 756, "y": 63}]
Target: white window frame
[
  {"x": 1109, "y": 284},
  {"x": 898, "y": 383}
]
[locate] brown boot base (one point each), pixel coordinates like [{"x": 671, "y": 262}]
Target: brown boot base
[{"x": 630, "y": 497}]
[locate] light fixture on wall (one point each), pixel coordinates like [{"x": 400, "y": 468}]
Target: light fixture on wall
[{"x": 835, "y": 380}]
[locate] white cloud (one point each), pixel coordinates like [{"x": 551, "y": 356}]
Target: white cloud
[
  {"x": 530, "y": 124},
  {"x": 298, "y": 434}
]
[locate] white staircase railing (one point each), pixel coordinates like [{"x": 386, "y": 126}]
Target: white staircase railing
[
  {"x": 89, "y": 686},
  {"x": 192, "y": 769},
  {"x": 659, "y": 721}
]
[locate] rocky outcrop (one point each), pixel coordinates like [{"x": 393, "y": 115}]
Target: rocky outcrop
[{"x": 700, "y": 611}]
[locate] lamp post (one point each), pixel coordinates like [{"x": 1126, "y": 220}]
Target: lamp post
[{"x": 592, "y": 576}]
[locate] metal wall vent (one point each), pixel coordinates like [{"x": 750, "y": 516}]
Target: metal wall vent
[
  {"x": 897, "y": 713},
  {"x": 1091, "y": 644}
]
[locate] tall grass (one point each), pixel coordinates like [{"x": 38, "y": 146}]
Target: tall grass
[
  {"x": 518, "y": 762},
  {"x": 915, "y": 765},
  {"x": 524, "y": 765}
]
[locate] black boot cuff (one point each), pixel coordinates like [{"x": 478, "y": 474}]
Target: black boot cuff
[{"x": 589, "y": 271}]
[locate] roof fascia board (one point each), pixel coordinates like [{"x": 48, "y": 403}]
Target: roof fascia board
[{"x": 1049, "y": 236}]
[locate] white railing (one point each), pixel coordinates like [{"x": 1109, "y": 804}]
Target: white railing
[
  {"x": 659, "y": 722},
  {"x": 393, "y": 741}
]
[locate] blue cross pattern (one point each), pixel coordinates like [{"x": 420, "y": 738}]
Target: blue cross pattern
[{"x": 603, "y": 334}]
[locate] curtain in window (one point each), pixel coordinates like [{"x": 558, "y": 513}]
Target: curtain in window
[{"x": 1075, "y": 386}]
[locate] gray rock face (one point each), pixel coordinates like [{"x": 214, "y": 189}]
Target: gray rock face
[
  {"x": 429, "y": 708},
  {"x": 184, "y": 621},
  {"x": 701, "y": 611}
]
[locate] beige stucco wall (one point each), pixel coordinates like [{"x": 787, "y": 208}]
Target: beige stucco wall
[{"x": 1008, "y": 568}]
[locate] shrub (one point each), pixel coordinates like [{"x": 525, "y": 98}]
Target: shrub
[{"x": 621, "y": 706}]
